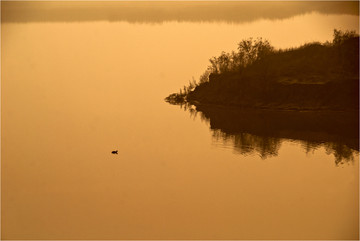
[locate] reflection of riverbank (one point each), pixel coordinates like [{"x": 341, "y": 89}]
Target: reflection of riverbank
[{"x": 262, "y": 131}]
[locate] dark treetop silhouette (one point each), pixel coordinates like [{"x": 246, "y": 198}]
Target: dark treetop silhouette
[
  {"x": 312, "y": 77},
  {"x": 250, "y": 96}
]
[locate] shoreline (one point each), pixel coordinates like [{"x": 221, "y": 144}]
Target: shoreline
[
  {"x": 263, "y": 108},
  {"x": 314, "y": 77}
]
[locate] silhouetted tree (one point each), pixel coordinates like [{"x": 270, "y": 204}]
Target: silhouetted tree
[
  {"x": 341, "y": 36},
  {"x": 251, "y": 50},
  {"x": 250, "y": 75},
  {"x": 205, "y": 76}
]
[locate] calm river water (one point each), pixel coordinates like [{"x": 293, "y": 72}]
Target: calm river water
[{"x": 74, "y": 91}]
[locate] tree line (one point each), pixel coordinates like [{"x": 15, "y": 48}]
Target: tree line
[{"x": 249, "y": 52}]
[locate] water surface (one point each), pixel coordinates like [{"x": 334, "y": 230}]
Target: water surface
[{"x": 74, "y": 91}]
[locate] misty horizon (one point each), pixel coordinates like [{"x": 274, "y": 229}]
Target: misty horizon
[{"x": 159, "y": 12}]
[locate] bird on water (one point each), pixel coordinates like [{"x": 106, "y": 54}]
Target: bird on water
[{"x": 115, "y": 152}]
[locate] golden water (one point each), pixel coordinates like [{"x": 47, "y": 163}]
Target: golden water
[{"x": 74, "y": 91}]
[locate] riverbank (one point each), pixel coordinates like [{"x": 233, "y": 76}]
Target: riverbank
[{"x": 312, "y": 77}]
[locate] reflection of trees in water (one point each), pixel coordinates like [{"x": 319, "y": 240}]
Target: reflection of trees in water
[
  {"x": 245, "y": 143},
  {"x": 341, "y": 152},
  {"x": 248, "y": 138}
]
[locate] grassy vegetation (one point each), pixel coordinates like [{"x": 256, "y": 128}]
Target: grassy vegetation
[{"x": 313, "y": 76}]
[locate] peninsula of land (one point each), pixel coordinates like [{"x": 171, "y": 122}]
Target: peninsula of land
[{"x": 315, "y": 76}]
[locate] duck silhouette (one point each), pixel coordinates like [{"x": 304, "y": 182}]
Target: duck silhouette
[{"x": 115, "y": 152}]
